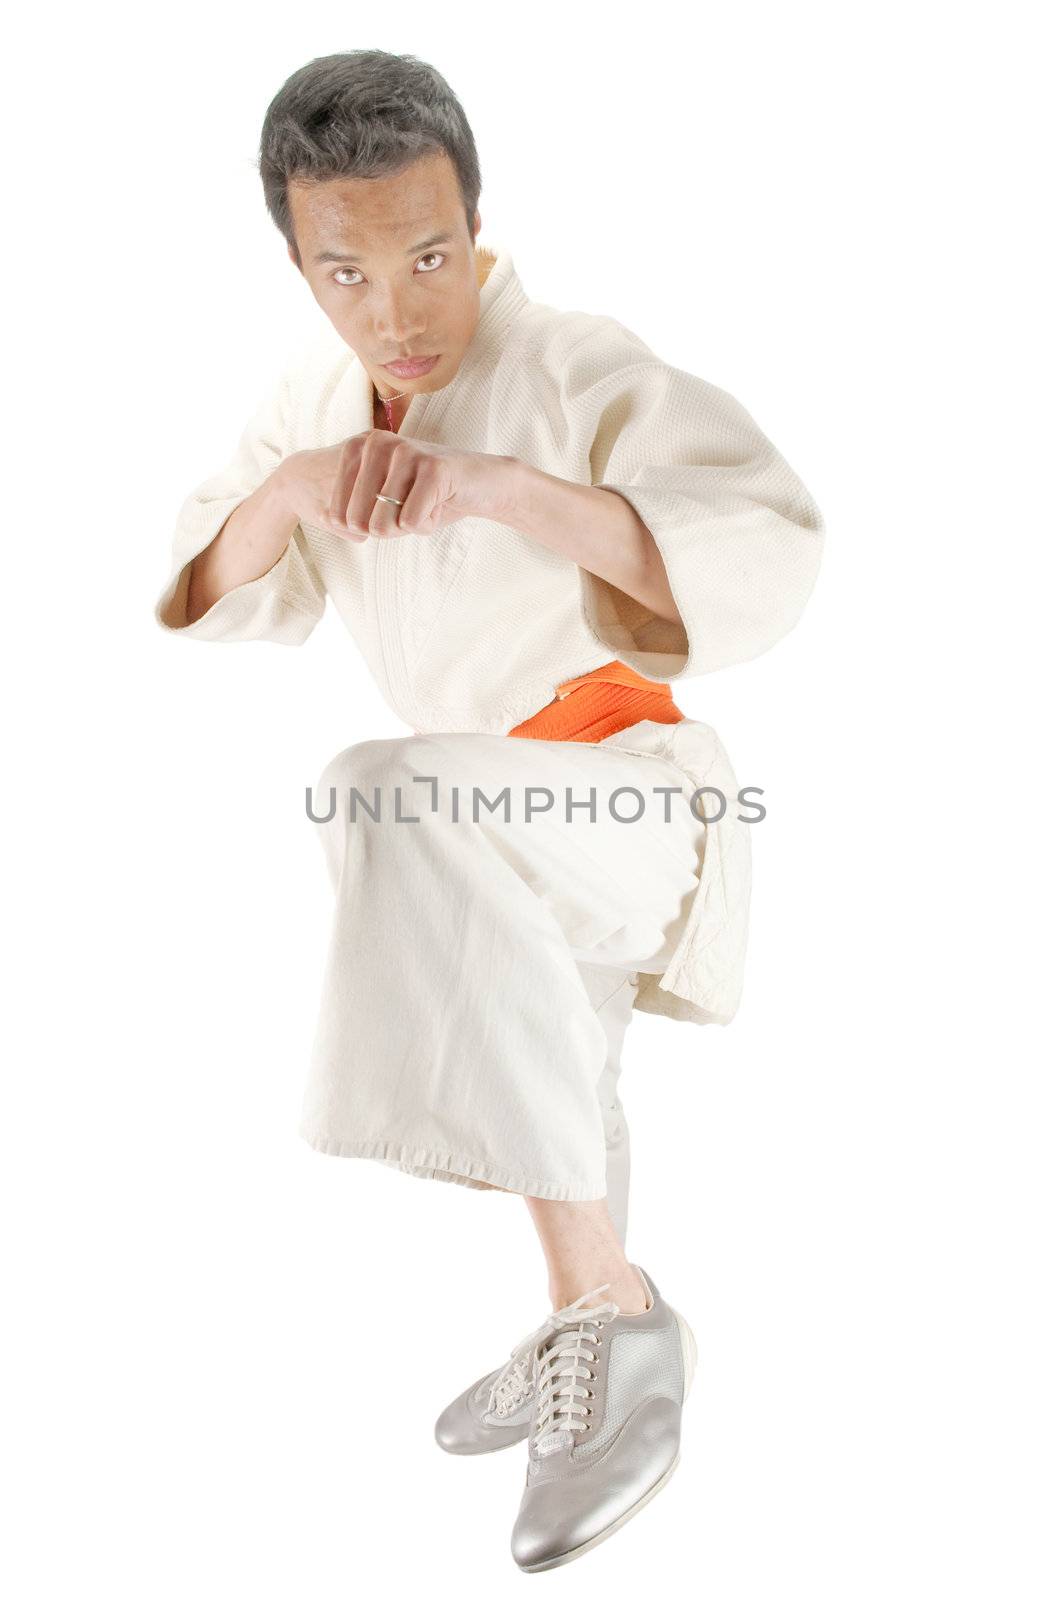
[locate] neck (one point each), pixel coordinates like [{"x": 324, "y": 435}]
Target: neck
[{"x": 398, "y": 404}]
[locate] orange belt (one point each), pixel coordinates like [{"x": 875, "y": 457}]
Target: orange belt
[{"x": 599, "y": 703}]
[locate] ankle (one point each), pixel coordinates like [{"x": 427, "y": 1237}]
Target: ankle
[{"x": 625, "y": 1288}]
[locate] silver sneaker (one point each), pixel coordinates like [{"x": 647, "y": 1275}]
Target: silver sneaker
[{"x": 609, "y": 1388}]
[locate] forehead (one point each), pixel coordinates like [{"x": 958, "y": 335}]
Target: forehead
[{"x": 367, "y": 214}]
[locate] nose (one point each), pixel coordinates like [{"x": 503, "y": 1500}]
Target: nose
[{"x": 397, "y": 321}]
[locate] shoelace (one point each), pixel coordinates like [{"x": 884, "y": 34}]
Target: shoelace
[
  {"x": 510, "y": 1388},
  {"x": 563, "y": 1360}
]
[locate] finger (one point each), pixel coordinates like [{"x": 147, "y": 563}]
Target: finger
[
  {"x": 386, "y": 516},
  {"x": 423, "y": 497},
  {"x": 347, "y": 473},
  {"x": 386, "y": 519},
  {"x": 376, "y": 461}
]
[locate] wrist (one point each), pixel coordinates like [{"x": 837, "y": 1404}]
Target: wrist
[
  {"x": 516, "y": 494},
  {"x": 274, "y": 491},
  {"x": 259, "y": 530}
]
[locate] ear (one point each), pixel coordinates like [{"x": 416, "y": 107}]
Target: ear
[{"x": 294, "y": 259}]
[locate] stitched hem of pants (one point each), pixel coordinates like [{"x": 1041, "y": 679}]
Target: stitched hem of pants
[{"x": 448, "y": 1168}]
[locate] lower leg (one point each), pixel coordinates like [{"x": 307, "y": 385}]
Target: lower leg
[{"x": 582, "y": 1250}]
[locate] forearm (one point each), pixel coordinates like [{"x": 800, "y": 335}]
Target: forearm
[
  {"x": 596, "y": 528},
  {"x": 251, "y": 541}
]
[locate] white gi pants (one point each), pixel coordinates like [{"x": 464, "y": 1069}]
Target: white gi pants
[{"x": 479, "y": 975}]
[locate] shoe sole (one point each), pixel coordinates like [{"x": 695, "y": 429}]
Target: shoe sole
[
  {"x": 690, "y": 1361},
  {"x": 690, "y": 1351},
  {"x": 614, "y": 1527}
]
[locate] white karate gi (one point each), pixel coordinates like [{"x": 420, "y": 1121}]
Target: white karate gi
[{"x": 469, "y": 632}]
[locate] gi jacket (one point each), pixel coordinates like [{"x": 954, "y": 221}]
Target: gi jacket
[{"x": 472, "y": 628}]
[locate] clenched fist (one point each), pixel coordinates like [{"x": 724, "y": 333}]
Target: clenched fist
[{"x": 337, "y": 488}]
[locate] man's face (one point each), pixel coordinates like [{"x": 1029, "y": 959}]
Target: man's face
[{"x": 391, "y": 264}]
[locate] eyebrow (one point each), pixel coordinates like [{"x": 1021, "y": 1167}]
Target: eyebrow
[{"x": 414, "y": 250}]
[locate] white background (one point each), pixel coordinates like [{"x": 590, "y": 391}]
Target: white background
[{"x": 225, "y": 1351}]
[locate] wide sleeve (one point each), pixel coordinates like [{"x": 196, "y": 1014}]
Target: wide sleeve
[
  {"x": 738, "y": 532},
  {"x": 282, "y": 605}
]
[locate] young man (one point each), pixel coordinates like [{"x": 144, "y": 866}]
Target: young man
[{"x": 532, "y": 527}]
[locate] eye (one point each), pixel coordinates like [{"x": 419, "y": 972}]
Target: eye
[
  {"x": 344, "y": 284},
  {"x": 433, "y": 254}
]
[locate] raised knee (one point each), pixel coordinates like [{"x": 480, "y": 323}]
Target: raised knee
[{"x": 369, "y": 765}]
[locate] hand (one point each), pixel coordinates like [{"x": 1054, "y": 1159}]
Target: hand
[
  {"x": 436, "y": 484},
  {"x": 303, "y": 484}
]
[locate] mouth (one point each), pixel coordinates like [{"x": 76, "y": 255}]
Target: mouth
[{"x": 413, "y": 367}]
